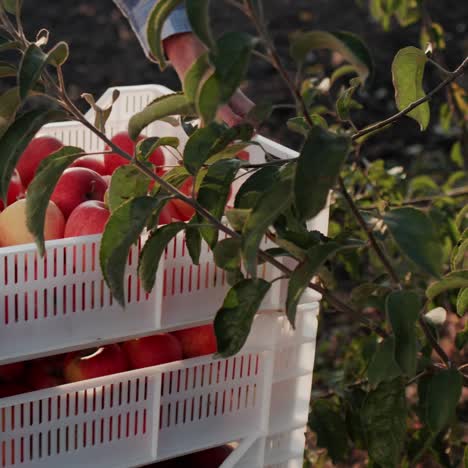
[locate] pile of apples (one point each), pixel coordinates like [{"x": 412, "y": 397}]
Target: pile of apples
[
  {"x": 77, "y": 205},
  {"x": 210, "y": 458},
  {"x": 161, "y": 348}
]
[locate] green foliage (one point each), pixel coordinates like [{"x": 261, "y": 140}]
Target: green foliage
[
  {"x": 323, "y": 153},
  {"x": 403, "y": 311},
  {"x": 397, "y": 243},
  {"x": 383, "y": 417},
  {"x": 234, "y": 320},
  {"x": 416, "y": 236},
  {"x": 408, "y": 72}
]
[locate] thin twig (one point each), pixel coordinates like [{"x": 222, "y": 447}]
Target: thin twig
[
  {"x": 432, "y": 340},
  {"x": 457, "y": 73},
  {"x": 375, "y": 245}
]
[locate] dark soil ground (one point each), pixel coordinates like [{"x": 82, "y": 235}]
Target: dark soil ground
[{"x": 104, "y": 52}]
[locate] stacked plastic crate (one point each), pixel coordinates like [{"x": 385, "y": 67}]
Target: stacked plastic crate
[{"x": 258, "y": 399}]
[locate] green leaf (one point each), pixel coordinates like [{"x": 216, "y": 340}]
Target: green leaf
[
  {"x": 459, "y": 257},
  {"x": 199, "y": 146},
  {"x": 408, "y": 73},
  {"x": 17, "y": 137},
  {"x": 193, "y": 240},
  {"x": 443, "y": 393},
  {"x": 7, "y": 44},
  {"x": 326, "y": 420},
  {"x": 199, "y": 16},
  {"x": 265, "y": 211},
  {"x": 9, "y": 104},
  {"x": 305, "y": 271},
  {"x": 260, "y": 113},
  {"x": 340, "y": 72},
  {"x": 127, "y": 182},
  {"x": 214, "y": 193},
  {"x": 403, "y": 312},
  {"x": 145, "y": 148},
  {"x": 41, "y": 188},
  {"x": 6, "y": 70},
  {"x": 227, "y": 254},
  {"x": 255, "y": 185},
  {"x": 237, "y": 218},
  {"x": 234, "y": 320},
  {"x": 462, "y": 302},
  {"x": 194, "y": 76},
  {"x": 346, "y": 103},
  {"x": 348, "y": 45},
  {"x": 58, "y": 55},
  {"x": 461, "y": 221},
  {"x": 230, "y": 66},
  {"x": 152, "y": 252},
  {"x": 300, "y": 125},
  {"x": 11, "y": 6},
  {"x": 31, "y": 66},
  {"x": 122, "y": 231},
  {"x": 154, "y": 27},
  {"x": 383, "y": 366},
  {"x": 317, "y": 170},
  {"x": 456, "y": 154},
  {"x": 101, "y": 114},
  {"x": 165, "y": 106},
  {"x": 453, "y": 280},
  {"x": 383, "y": 417},
  {"x": 414, "y": 233}
]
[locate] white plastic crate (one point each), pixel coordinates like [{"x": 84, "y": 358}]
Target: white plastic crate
[
  {"x": 137, "y": 417},
  {"x": 61, "y": 303}
]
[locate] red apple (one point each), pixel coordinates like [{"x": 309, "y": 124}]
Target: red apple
[
  {"x": 113, "y": 160},
  {"x": 210, "y": 458},
  {"x": 153, "y": 350},
  {"x": 95, "y": 163},
  {"x": 12, "y": 389},
  {"x": 86, "y": 219},
  {"x": 85, "y": 365},
  {"x": 45, "y": 373},
  {"x": 11, "y": 372},
  {"x": 197, "y": 341},
  {"x": 37, "y": 150},
  {"x": 243, "y": 155},
  {"x": 15, "y": 190},
  {"x": 75, "y": 186},
  {"x": 182, "y": 211},
  {"x": 13, "y": 229}
]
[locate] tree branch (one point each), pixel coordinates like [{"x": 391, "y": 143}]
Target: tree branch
[
  {"x": 454, "y": 75},
  {"x": 378, "y": 250}
]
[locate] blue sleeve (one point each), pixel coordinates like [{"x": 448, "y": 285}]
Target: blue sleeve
[{"x": 137, "y": 13}]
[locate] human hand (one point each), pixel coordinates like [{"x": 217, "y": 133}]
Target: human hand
[{"x": 183, "y": 50}]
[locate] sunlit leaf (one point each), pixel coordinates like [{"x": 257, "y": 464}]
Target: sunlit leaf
[{"x": 408, "y": 73}]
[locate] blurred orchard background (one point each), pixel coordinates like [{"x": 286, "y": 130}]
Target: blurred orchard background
[{"x": 104, "y": 53}]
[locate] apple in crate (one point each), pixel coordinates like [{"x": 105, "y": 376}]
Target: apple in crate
[
  {"x": 210, "y": 458},
  {"x": 37, "y": 150},
  {"x": 15, "y": 190},
  {"x": 113, "y": 160},
  {"x": 83, "y": 365},
  {"x": 153, "y": 350},
  {"x": 197, "y": 341},
  {"x": 11, "y": 372},
  {"x": 45, "y": 373},
  {"x": 95, "y": 163},
  {"x": 78, "y": 185},
  {"x": 86, "y": 219},
  {"x": 13, "y": 229},
  {"x": 12, "y": 389}
]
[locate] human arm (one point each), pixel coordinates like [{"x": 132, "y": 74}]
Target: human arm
[{"x": 182, "y": 49}]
